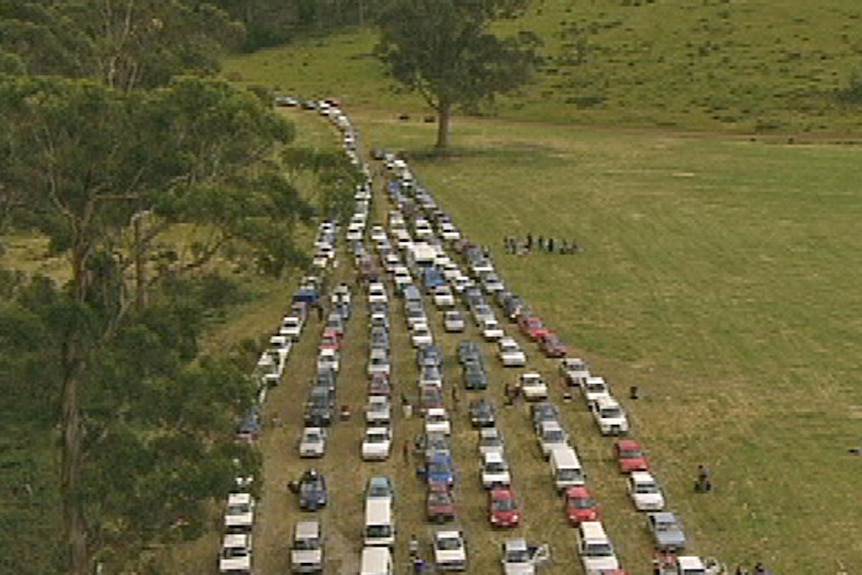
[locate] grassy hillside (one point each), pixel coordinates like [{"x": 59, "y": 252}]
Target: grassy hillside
[{"x": 695, "y": 64}]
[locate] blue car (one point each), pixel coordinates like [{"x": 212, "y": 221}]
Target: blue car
[
  {"x": 312, "y": 491},
  {"x": 439, "y": 469}
]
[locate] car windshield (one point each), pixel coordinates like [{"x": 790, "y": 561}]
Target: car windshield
[
  {"x": 438, "y": 498},
  {"x": 376, "y": 437},
  {"x": 517, "y": 556},
  {"x": 630, "y": 453},
  {"x": 595, "y": 387},
  {"x": 569, "y": 474},
  {"x": 495, "y": 467},
  {"x": 611, "y": 413},
  {"x": 646, "y": 488},
  {"x": 555, "y": 436},
  {"x": 378, "y": 531},
  {"x": 448, "y": 543},
  {"x": 666, "y": 526},
  {"x": 238, "y": 509},
  {"x": 505, "y": 505},
  {"x": 438, "y": 468},
  {"x": 582, "y": 503},
  {"x": 306, "y": 544},
  {"x": 234, "y": 552},
  {"x": 599, "y": 550}
]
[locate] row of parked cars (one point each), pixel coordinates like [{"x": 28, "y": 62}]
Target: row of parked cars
[
  {"x": 594, "y": 546},
  {"x": 235, "y": 556}
]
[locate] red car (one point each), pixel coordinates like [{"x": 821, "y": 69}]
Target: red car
[
  {"x": 330, "y": 340},
  {"x": 439, "y": 503},
  {"x": 532, "y": 327},
  {"x": 630, "y": 455},
  {"x": 380, "y": 385},
  {"x": 580, "y": 505},
  {"x": 503, "y": 510},
  {"x": 553, "y": 346}
]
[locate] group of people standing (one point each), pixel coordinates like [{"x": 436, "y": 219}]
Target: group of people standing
[{"x": 519, "y": 246}]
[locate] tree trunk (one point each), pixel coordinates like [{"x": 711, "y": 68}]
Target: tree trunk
[
  {"x": 73, "y": 510},
  {"x": 444, "y": 114},
  {"x": 74, "y": 522}
]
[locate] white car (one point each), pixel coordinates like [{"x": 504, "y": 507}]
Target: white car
[
  {"x": 492, "y": 330},
  {"x": 378, "y": 362},
  {"x": 378, "y": 234},
  {"x": 645, "y": 491},
  {"x": 533, "y": 387},
  {"x": 378, "y": 411},
  {"x": 377, "y": 444},
  {"x": 312, "y": 443},
  {"x": 519, "y": 558},
  {"x": 239, "y": 516},
  {"x": 377, "y": 293},
  {"x": 495, "y": 471},
  {"x": 551, "y": 435},
  {"x": 443, "y": 297},
  {"x": 610, "y": 416},
  {"x": 391, "y": 261},
  {"x": 449, "y": 232},
  {"x": 491, "y": 441},
  {"x": 575, "y": 370},
  {"x": 437, "y": 421},
  {"x": 402, "y": 279},
  {"x": 510, "y": 353},
  {"x": 306, "y": 552},
  {"x": 450, "y": 550},
  {"x": 453, "y": 321},
  {"x": 327, "y": 359},
  {"x": 291, "y": 327},
  {"x": 420, "y": 335},
  {"x": 235, "y": 556},
  {"x": 594, "y": 388}
]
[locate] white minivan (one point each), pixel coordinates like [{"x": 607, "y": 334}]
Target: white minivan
[
  {"x": 595, "y": 548},
  {"x": 379, "y": 530},
  {"x": 376, "y": 561},
  {"x": 566, "y": 468}
]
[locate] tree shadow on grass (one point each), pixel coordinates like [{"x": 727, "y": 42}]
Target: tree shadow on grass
[{"x": 515, "y": 152}]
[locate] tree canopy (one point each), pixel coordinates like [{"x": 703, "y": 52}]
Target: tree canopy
[
  {"x": 448, "y": 52},
  {"x": 111, "y": 136}
]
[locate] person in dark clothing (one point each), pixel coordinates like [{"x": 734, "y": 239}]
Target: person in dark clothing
[
  {"x": 550, "y": 245},
  {"x": 541, "y": 243},
  {"x": 704, "y": 481},
  {"x": 529, "y": 242}
]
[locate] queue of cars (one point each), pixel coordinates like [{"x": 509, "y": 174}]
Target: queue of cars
[{"x": 478, "y": 289}]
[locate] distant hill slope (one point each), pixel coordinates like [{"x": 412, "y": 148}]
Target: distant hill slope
[{"x": 735, "y": 65}]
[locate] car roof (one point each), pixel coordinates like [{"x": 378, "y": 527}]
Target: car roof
[
  {"x": 578, "y": 491},
  {"x": 642, "y": 477},
  {"x": 307, "y": 529},
  {"x": 628, "y": 444}
]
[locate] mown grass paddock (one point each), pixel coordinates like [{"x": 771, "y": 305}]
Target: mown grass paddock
[{"x": 717, "y": 277}]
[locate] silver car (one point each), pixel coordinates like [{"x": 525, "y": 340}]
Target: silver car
[{"x": 313, "y": 442}]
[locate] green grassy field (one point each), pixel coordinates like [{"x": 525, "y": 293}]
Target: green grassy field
[
  {"x": 717, "y": 278},
  {"x": 718, "y": 274},
  {"x": 740, "y": 67}
]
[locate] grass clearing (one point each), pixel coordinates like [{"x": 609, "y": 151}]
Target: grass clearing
[{"x": 715, "y": 278}]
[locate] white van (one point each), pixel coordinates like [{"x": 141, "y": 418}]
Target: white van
[
  {"x": 594, "y": 547},
  {"x": 376, "y": 561},
  {"x": 566, "y": 469},
  {"x": 379, "y": 530}
]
